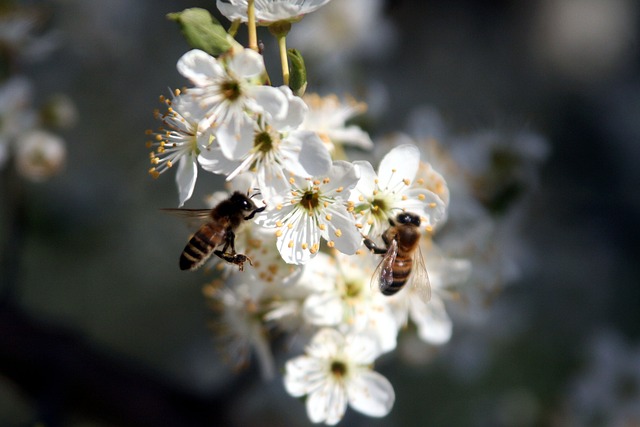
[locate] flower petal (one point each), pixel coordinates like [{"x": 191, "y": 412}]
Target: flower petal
[
  {"x": 303, "y": 375},
  {"x": 272, "y": 101},
  {"x": 323, "y": 309},
  {"x": 400, "y": 163},
  {"x": 246, "y": 64},
  {"x": 186, "y": 177},
  {"x": 199, "y": 67},
  {"x": 371, "y": 394},
  {"x": 328, "y": 404},
  {"x": 432, "y": 320}
]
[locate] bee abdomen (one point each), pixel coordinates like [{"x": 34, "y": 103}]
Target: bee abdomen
[
  {"x": 401, "y": 272},
  {"x": 198, "y": 250}
]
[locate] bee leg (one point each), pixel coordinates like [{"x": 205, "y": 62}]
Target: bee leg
[
  {"x": 371, "y": 245},
  {"x": 234, "y": 258}
]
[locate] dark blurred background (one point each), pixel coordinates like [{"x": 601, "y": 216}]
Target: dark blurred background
[{"x": 99, "y": 328}]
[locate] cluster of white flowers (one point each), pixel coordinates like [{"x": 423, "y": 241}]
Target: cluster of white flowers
[
  {"x": 25, "y": 140},
  {"x": 332, "y": 230}
]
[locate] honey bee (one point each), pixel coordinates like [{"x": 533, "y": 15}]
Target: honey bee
[
  {"x": 401, "y": 257},
  {"x": 218, "y": 230}
]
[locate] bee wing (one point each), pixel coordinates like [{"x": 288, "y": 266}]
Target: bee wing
[
  {"x": 383, "y": 274},
  {"x": 193, "y": 217},
  {"x": 420, "y": 277}
]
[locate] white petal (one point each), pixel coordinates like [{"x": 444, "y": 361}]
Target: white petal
[
  {"x": 325, "y": 344},
  {"x": 400, "y": 163},
  {"x": 432, "y": 320},
  {"x": 371, "y": 394},
  {"x": 323, "y": 309},
  {"x": 235, "y": 138},
  {"x": 186, "y": 177},
  {"x": 305, "y": 154},
  {"x": 246, "y": 64},
  {"x": 342, "y": 230},
  {"x": 426, "y": 204},
  {"x": 295, "y": 112},
  {"x": 199, "y": 67},
  {"x": 295, "y": 243},
  {"x": 304, "y": 374},
  {"x": 366, "y": 184},
  {"x": 361, "y": 348},
  {"x": 271, "y": 100},
  {"x": 352, "y": 135},
  {"x": 344, "y": 176},
  {"x": 328, "y": 404}
]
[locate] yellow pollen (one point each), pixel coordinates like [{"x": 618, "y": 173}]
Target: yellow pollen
[
  {"x": 294, "y": 193},
  {"x": 358, "y": 225},
  {"x": 432, "y": 205},
  {"x": 406, "y": 181},
  {"x": 290, "y": 226},
  {"x": 278, "y": 223},
  {"x": 339, "y": 189},
  {"x": 158, "y": 137},
  {"x": 290, "y": 245},
  {"x": 278, "y": 233},
  {"x": 278, "y": 206},
  {"x": 328, "y": 217},
  {"x": 326, "y": 204},
  {"x": 314, "y": 248},
  {"x": 420, "y": 181},
  {"x": 338, "y": 232},
  {"x": 370, "y": 221},
  {"x": 350, "y": 209},
  {"x": 292, "y": 181},
  {"x": 404, "y": 197},
  {"x": 326, "y": 181},
  {"x": 394, "y": 170},
  {"x": 169, "y": 164},
  {"x": 331, "y": 243},
  {"x": 358, "y": 252},
  {"x": 149, "y": 144},
  {"x": 421, "y": 196},
  {"x": 322, "y": 227},
  {"x": 375, "y": 192},
  {"x": 176, "y": 92},
  {"x": 429, "y": 228},
  {"x": 304, "y": 246},
  {"x": 375, "y": 180},
  {"x": 316, "y": 182}
]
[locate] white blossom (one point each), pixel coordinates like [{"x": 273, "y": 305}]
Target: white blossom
[
  {"x": 231, "y": 93},
  {"x": 313, "y": 208},
  {"x": 336, "y": 372},
  {"x": 39, "y": 155},
  {"x": 328, "y": 117},
  {"x": 381, "y": 196},
  {"x": 269, "y": 11},
  {"x": 278, "y": 150},
  {"x": 342, "y": 297},
  {"x": 178, "y": 142}
]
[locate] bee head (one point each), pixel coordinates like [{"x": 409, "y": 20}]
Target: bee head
[
  {"x": 245, "y": 204},
  {"x": 408, "y": 218}
]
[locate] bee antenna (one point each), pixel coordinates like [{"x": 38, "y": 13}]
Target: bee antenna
[{"x": 257, "y": 193}]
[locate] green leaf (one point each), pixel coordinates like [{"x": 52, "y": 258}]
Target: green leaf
[
  {"x": 297, "y": 72},
  {"x": 202, "y": 30}
]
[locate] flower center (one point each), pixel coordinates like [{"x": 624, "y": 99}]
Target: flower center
[
  {"x": 309, "y": 200},
  {"x": 338, "y": 369},
  {"x": 263, "y": 142},
  {"x": 352, "y": 288},
  {"x": 230, "y": 90},
  {"x": 379, "y": 207}
]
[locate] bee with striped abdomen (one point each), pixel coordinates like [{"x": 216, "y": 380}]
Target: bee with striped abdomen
[
  {"x": 218, "y": 230},
  {"x": 401, "y": 257}
]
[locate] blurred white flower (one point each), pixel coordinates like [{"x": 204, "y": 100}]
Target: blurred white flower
[
  {"x": 431, "y": 319},
  {"x": 269, "y": 11},
  {"x": 39, "y": 155},
  {"x": 381, "y": 196},
  {"x": 313, "y": 208},
  {"x": 342, "y": 31},
  {"x": 178, "y": 143},
  {"x": 278, "y": 150},
  {"x": 341, "y": 297},
  {"x": 336, "y": 371},
  {"x": 240, "y": 329},
  {"x": 328, "y": 116},
  {"x": 231, "y": 93}
]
